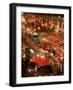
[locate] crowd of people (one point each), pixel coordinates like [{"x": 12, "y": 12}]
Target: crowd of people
[{"x": 38, "y": 22}]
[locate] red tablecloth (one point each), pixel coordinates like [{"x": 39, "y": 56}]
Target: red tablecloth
[{"x": 40, "y": 61}]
